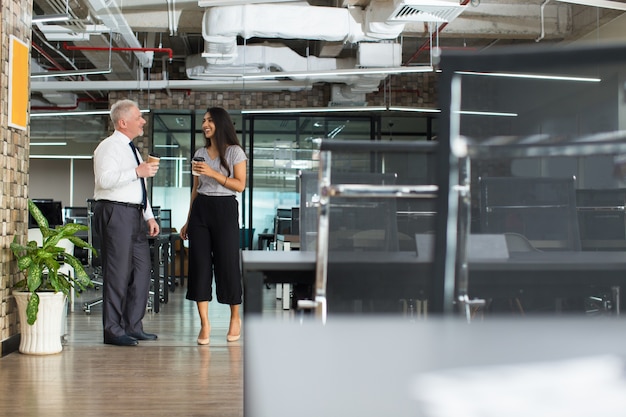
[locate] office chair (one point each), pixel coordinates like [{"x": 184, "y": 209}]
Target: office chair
[{"x": 165, "y": 220}]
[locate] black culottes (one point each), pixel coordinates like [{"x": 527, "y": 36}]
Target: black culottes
[{"x": 213, "y": 231}]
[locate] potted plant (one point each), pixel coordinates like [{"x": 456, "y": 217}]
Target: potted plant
[{"x": 46, "y": 281}]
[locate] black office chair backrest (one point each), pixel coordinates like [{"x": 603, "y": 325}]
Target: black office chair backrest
[
  {"x": 165, "y": 220},
  {"x": 361, "y": 224},
  {"x": 602, "y": 218}
]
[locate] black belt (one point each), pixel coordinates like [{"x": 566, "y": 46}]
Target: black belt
[{"x": 122, "y": 203}]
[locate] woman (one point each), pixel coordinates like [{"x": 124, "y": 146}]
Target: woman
[{"x": 213, "y": 222}]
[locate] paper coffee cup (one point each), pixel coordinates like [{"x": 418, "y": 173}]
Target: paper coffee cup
[
  {"x": 154, "y": 158},
  {"x": 193, "y": 164}
]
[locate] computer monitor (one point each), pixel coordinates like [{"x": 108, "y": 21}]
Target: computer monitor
[{"x": 52, "y": 211}]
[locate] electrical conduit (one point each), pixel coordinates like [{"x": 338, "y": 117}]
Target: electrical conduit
[{"x": 106, "y": 48}]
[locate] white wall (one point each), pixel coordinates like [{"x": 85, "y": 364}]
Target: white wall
[{"x": 65, "y": 180}]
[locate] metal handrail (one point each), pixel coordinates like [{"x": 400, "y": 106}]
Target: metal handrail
[{"x": 328, "y": 190}]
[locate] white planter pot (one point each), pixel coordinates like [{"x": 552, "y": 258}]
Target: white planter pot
[{"x": 44, "y": 336}]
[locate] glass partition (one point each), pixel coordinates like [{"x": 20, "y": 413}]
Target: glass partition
[
  {"x": 284, "y": 145},
  {"x": 532, "y": 129}
]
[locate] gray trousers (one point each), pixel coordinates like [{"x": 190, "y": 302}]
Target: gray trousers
[{"x": 126, "y": 267}]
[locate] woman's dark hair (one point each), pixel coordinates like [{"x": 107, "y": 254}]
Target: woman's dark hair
[{"x": 225, "y": 133}]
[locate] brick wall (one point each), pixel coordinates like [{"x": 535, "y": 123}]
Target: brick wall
[{"x": 14, "y": 146}]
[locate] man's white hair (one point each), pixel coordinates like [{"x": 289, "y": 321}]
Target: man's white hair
[{"x": 120, "y": 109}]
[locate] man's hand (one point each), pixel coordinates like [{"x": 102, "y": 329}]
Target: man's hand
[
  {"x": 153, "y": 227},
  {"x": 146, "y": 170}
]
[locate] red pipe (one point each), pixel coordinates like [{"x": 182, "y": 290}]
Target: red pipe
[
  {"x": 48, "y": 57},
  {"x": 105, "y": 48},
  {"x": 426, "y": 44}
]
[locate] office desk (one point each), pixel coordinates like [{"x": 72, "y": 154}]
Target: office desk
[
  {"x": 273, "y": 267},
  {"x": 369, "y": 368},
  {"x": 360, "y": 272},
  {"x": 553, "y": 273}
]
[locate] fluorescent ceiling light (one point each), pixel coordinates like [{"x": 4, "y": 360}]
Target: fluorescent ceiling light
[
  {"x": 60, "y": 156},
  {"x": 48, "y": 143},
  {"x": 414, "y": 109},
  {"x": 70, "y": 73},
  {"x": 486, "y": 113},
  {"x": 370, "y": 109},
  {"x": 314, "y": 110},
  {"x": 338, "y": 72},
  {"x": 76, "y": 113},
  {"x": 43, "y": 18},
  {"x": 166, "y": 146},
  {"x": 531, "y": 76}
]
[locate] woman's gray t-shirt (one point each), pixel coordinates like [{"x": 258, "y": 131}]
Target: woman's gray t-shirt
[{"x": 209, "y": 186}]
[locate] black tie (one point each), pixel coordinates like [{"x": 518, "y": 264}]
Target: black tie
[{"x": 144, "y": 197}]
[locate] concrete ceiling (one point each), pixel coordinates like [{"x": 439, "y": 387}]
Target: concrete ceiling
[{"x": 153, "y": 40}]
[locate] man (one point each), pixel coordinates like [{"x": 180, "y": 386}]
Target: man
[{"x": 121, "y": 213}]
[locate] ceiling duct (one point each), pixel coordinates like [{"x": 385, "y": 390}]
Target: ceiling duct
[
  {"x": 438, "y": 11},
  {"x": 382, "y": 15},
  {"x": 276, "y": 58},
  {"x": 343, "y": 96},
  {"x": 222, "y": 25},
  {"x": 374, "y": 30}
]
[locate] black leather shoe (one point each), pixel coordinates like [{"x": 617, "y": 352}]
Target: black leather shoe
[
  {"x": 143, "y": 336},
  {"x": 124, "y": 340}
]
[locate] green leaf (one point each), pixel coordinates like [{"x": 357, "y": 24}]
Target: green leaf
[
  {"x": 24, "y": 263},
  {"x": 32, "y": 308},
  {"x": 37, "y": 215},
  {"x": 59, "y": 285},
  {"x": 34, "y": 277},
  {"x": 81, "y": 278},
  {"x": 82, "y": 244},
  {"x": 20, "y": 284},
  {"x": 70, "y": 229}
]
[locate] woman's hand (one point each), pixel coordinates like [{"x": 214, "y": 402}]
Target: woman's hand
[
  {"x": 183, "y": 232},
  {"x": 202, "y": 168}
]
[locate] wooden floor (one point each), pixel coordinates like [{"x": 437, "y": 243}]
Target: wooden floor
[{"x": 172, "y": 376}]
